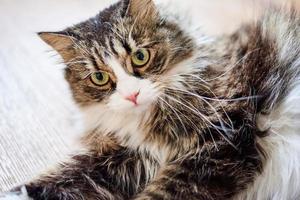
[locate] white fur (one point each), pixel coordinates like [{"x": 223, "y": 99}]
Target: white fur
[
  {"x": 124, "y": 125},
  {"x": 280, "y": 179}
]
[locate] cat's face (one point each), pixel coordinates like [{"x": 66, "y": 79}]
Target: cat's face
[{"x": 122, "y": 59}]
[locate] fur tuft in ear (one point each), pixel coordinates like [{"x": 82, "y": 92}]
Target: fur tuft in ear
[
  {"x": 60, "y": 41},
  {"x": 145, "y": 10},
  {"x": 57, "y": 40}
]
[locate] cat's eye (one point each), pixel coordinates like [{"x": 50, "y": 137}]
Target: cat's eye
[
  {"x": 100, "y": 78},
  {"x": 140, "y": 57}
]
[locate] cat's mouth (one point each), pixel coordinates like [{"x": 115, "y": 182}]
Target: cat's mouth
[{"x": 137, "y": 106}]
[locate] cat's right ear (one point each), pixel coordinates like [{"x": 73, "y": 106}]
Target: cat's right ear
[{"x": 60, "y": 41}]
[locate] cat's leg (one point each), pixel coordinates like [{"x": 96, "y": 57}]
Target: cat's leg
[
  {"x": 115, "y": 174},
  {"x": 203, "y": 178},
  {"x": 175, "y": 183}
]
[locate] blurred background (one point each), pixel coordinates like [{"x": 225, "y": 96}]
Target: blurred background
[{"x": 38, "y": 119}]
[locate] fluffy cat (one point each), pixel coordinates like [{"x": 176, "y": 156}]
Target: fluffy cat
[{"x": 170, "y": 115}]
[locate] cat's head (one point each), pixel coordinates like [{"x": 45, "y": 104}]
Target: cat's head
[{"x": 123, "y": 59}]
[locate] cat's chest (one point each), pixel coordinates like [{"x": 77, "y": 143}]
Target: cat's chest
[{"x": 127, "y": 129}]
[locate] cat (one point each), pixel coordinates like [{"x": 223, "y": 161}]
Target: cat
[{"x": 172, "y": 115}]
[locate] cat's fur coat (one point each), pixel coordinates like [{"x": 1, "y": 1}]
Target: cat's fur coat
[{"x": 214, "y": 119}]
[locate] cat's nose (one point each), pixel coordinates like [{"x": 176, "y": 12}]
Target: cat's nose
[{"x": 133, "y": 97}]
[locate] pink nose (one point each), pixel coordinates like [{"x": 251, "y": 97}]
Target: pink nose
[{"x": 133, "y": 97}]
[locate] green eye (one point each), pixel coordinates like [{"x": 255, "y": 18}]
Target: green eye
[
  {"x": 140, "y": 58},
  {"x": 100, "y": 78}
]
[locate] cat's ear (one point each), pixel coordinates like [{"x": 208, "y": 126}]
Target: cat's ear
[
  {"x": 143, "y": 10},
  {"x": 60, "y": 41}
]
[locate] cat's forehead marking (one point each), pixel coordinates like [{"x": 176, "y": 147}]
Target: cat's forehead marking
[
  {"x": 132, "y": 42},
  {"x": 108, "y": 56},
  {"x": 98, "y": 62},
  {"x": 116, "y": 67},
  {"x": 119, "y": 48}
]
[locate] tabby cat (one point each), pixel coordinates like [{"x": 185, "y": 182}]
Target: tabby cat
[{"x": 171, "y": 115}]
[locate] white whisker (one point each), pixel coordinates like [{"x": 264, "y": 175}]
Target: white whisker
[{"x": 197, "y": 112}]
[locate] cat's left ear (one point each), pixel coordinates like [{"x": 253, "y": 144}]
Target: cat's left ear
[
  {"x": 60, "y": 41},
  {"x": 142, "y": 10}
]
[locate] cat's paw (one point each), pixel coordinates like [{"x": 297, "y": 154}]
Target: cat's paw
[{"x": 19, "y": 193}]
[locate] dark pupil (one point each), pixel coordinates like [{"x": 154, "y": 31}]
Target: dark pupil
[
  {"x": 99, "y": 76},
  {"x": 140, "y": 55}
]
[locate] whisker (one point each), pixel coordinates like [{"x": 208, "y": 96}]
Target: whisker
[
  {"x": 173, "y": 109},
  {"x": 209, "y": 104},
  {"x": 200, "y": 133},
  {"x": 194, "y": 110},
  {"x": 173, "y": 132},
  {"x": 79, "y": 46},
  {"x": 233, "y": 66},
  {"x": 216, "y": 98}
]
